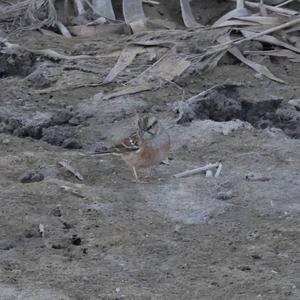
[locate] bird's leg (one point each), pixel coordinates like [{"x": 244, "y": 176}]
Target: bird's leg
[
  {"x": 137, "y": 180},
  {"x": 240, "y": 4},
  {"x": 135, "y": 174}
]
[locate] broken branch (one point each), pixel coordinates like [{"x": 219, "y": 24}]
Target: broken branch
[
  {"x": 66, "y": 165},
  {"x": 197, "y": 170}
]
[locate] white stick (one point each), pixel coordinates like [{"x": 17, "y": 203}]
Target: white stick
[
  {"x": 63, "y": 29},
  {"x": 276, "y": 9},
  {"x": 196, "y": 171},
  {"x": 102, "y": 154},
  {"x": 79, "y": 6},
  {"x": 151, "y": 2},
  {"x": 218, "y": 170},
  {"x": 285, "y": 3},
  {"x": 65, "y": 164},
  {"x": 42, "y": 230}
]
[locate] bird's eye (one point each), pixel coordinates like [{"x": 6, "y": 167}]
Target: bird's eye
[{"x": 152, "y": 125}]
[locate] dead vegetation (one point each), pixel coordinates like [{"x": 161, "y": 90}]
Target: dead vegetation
[
  {"x": 274, "y": 27},
  {"x": 75, "y": 226}
]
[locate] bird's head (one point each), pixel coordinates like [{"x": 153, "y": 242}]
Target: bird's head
[{"x": 148, "y": 127}]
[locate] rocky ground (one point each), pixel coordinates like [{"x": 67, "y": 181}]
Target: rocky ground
[{"x": 107, "y": 237}]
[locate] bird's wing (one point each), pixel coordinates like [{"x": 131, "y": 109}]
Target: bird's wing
[{"x": 129, "y": 144}]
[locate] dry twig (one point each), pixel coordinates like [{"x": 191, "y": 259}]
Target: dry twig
[
  {"x": 66, "y": 165},
  {"x": 198, "y": 170}
]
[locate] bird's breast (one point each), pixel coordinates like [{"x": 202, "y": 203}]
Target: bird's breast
[{"x": 151, "y": 152}]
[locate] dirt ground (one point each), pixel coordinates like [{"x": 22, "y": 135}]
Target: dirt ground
[{"x": 234, "y": 237}]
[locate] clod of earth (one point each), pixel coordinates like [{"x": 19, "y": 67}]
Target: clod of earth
[
  {"x": 31, "y": 176},
  {"x": 223, "y": 103}
]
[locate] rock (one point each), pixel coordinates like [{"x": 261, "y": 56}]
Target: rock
[
  {"x": 244, "y": 268},
  {"x": 225, "y": 195},
  {"x": 32, "y": 131},
  {"x": 71, "y": 144},
  {"x": 57, "y": 212},
  {"x": 5, "y": 141},
  {"x": 52, "y": 101},
  {"x": 24, "y": 124},
  {"x": 260, "y": 112},
  {"x": 288, "y": 119},
  {"x": 60, "y": 117},
  {"x": 295, "y": 103},
  {"x": 42, "y": 77},
  {"x": 56, "y": 135},
  {"x": 257, "y": 177},
  {"x": 274, "y": 132},
  {"x": 76, "y": 240},
  {"x": 209, "y": 173},
  {"x": 57, "y": 246},
  {"x": 99, "y": 147},
  {"x": 31, "y": 124},
  {"x": 31, "y": 176},
  {"x": 256, "y": 256},
  {"x": 18, "y": 62},
  {"x": 220, "y": 103},
  {"x": 80, "y": 117}
]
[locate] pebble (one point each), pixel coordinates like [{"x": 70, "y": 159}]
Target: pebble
[
  {"x": 225, "y": 195},
  {"x": 257, "y": 177},
  {"x": 31, "y": 176},
  {"x": 71, "y": 144},
  {"x": 5, "y": 141},
  {"x": 209, "y": 173},
  {"x": 295, "y": 103}
]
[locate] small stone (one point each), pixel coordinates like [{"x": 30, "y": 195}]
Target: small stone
[
  {"x": 61, "y": 116},
  {"x": 256, "y": 256},
  {"x": 76, "y": 240},
  {"x": 214, "y": 284},
  {"x": 29, "y": 235},
  {"x": 257, "y": 177},
  {"x": 57, "y": 212},
  {"x": 209, "y": 173},
  {"x": 71, "y": 144},
  {"x": 57, "y": 246},
  {"x": 177, "y": 228},
  {"x": 100, "y": 148},
  {"x": 52, "y": 101},
  {"x": 67, "y": 225},
  {"x": 295, "y": 103},
  {"x": 156, "y": 108},
  {"x": 225, "y": 195},
  {"x": 31, "y": 176},
  {"x": 80, "y": 117},
  {"x": 56, "y": 135},
  {"x": 244, "y": 268},
  {"x": 5, "y": 141},
  {"x": 259, "y": 76},
  {"x": 70, "y": 107}
]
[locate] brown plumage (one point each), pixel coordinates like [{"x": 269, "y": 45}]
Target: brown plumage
[{"x": 147, "y": 146}]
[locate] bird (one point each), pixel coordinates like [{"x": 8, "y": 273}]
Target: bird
[{"x": 147, "y": 146}]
